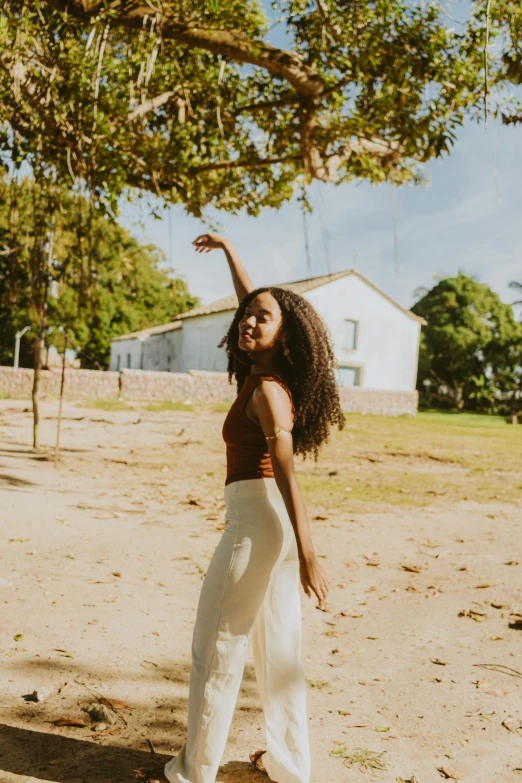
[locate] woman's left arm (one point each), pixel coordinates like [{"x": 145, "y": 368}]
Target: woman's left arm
[{"x": 272, "y": 408}]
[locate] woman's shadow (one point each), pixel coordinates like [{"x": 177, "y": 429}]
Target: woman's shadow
[{"x": 49, "y": 757}]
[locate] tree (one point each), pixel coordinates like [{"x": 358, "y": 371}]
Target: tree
[
  {"x": 88, "y": 275},
  {"x": 116, "y": 286},
  {"x": 187, "y": 99},
  {"x": 518, "y": 288},
  {"x": 471, "y": 347}
]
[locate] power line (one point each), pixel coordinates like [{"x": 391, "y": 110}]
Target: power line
[
  {"x": 395, "y": 231},
  {"x": 305, "y": 232},
  {"x": 325, "y": 234}
]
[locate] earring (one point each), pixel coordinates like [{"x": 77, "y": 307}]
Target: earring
[{"x": 286, "y": 352}]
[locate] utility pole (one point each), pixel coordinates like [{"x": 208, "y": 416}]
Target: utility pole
[{"x": 18, "y": 337}]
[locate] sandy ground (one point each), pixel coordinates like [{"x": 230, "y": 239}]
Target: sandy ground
[{"x": 100, "y": 571}]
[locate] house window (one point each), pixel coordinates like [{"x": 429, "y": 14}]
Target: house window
[
  {"x": 129, "y": 361},
  {"x": 118, "y": 363},
  {"x": 348, "y": 376},
  {"x": 350, "y": 333}
]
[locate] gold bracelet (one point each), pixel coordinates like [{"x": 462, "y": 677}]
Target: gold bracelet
[{"x": 271, "y": 437}]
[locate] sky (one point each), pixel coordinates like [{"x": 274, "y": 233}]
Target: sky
[{"x": 468, "y": 218}]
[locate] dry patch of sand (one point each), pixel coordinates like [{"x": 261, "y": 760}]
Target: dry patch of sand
[{"x": 414, "y": 668}]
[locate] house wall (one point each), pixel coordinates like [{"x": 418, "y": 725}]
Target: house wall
[
  {"x": 123, "y": 348},
  {"x": 162, "y": 352},
  {"x": 201, "y": 335},
  {"x": 387, "y": 338}
]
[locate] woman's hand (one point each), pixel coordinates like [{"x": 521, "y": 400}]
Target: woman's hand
[
  {"x": 207, "y": 242},
  {"x": 314, "y": 577}
]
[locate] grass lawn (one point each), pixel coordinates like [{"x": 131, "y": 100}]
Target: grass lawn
[
  {"x": 434, "y": 457},
  {"x": 462, "y": 419}
]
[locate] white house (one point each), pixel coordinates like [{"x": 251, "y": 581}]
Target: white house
[
  {"x": 376, "y": 341},
  {"x": 157, "y": 348}
]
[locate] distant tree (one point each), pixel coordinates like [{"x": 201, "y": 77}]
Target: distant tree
[
  {"x": 471, "y": 347},
  {"x": 99, "y": 282},
  {"x": 517, "y": 286}
]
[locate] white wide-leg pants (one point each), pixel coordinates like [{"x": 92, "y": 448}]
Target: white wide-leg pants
[{"x": 251, "y": 585}]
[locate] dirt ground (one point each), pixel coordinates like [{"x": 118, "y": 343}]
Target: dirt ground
[{"x": 101, "y": 563}]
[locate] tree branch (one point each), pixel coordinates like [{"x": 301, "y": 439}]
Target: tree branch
[
  {"x": 239, "y": 164},
  {"x": 156, "y": 102},
  {"x": 235, "y": 46},
  {"x": 324, "y": 169},
  {"x": 253, "y": 107}
]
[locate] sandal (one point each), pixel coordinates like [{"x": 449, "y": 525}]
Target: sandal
[
  {"x": 143, "y": 774},
  {"x": 255, "y": 755}
]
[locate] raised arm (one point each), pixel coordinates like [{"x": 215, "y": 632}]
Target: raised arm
[
  {"x": 242, "y": 282},
  {"x": 272, "y": 408}
]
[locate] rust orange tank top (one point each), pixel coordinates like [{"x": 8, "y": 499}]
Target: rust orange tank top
[{"x": 248, "y": 456}]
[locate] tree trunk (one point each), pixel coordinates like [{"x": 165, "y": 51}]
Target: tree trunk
[
  {"x": 59, "y": 423},
  {"x": 36, "y": 388}
]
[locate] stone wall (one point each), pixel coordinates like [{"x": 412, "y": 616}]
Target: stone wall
[
  {"x": 79, "y": 384},
  {"x": 195, "y": 386},
  {"x": 379, "y": 401},
  {"x": 128, "y": 384}
]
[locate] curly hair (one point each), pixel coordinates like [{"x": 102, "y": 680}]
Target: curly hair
[{"x": 309, "y": 372}]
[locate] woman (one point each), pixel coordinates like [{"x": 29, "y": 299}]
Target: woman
[{"x": 281, "y": 356}]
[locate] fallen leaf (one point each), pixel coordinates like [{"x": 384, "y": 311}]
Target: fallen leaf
[
  {"x": 512, "y": 562},
  {"x": 414, "y": 569},
  {"x": 483, "y": 585},
  {"x": 498, "y": 693},
  {"x": 107, "y": 732},
  {"x": 19, "y": 637},
  {"x": 496, "y": 638},
  {"x": 515, "y": 621},
  {"x": 116, "y": 573},
  {"x": 334, "y": 634},
  {"x": 475, "y": 614},
  {"x": 348, "y": 613},
  {"x": 439, "y": 662},
  {"x": 512, "y": 724},
  {"x": 113, "y": 704},
  {"x": 449, "y": 772},
  {"x": 497, "y": 605},
  {"x": 319, "y": 684},
  {"x": 193, "y": 502},
  {"x": 69, "y": 722},
  {"x": 428, "y": 542}
]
